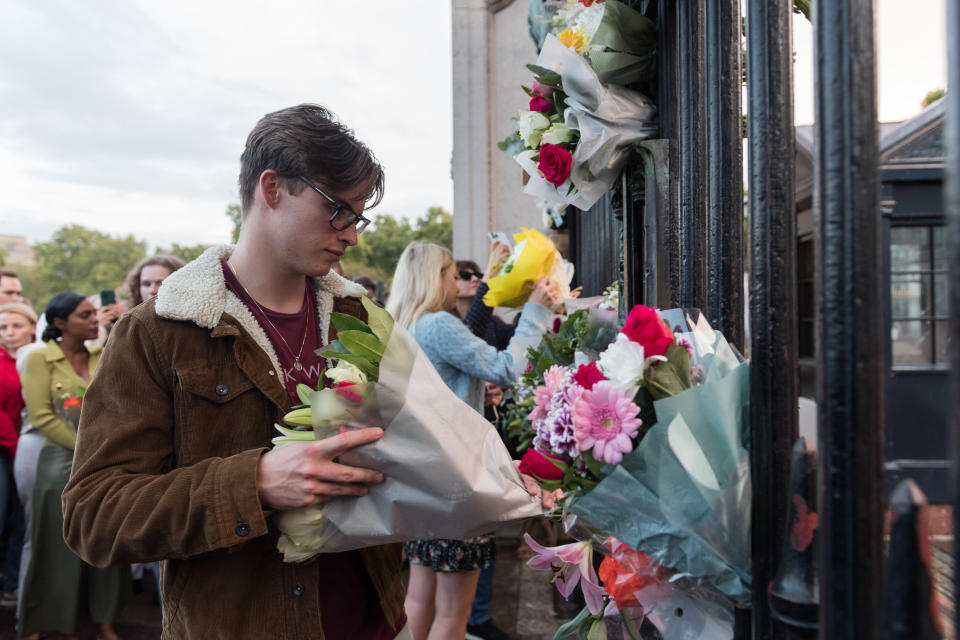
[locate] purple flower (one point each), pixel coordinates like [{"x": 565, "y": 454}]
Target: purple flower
[{"x": 571, "y": 564}]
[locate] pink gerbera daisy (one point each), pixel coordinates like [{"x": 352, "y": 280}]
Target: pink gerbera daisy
[{"x": 606, "y": 421}]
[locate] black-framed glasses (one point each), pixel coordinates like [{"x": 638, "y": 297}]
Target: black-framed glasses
[
  {"x": 467, "y": 274},
  {"x": 343, "y": 216}
]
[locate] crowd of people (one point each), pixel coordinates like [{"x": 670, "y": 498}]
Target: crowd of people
[
  {"x": 46, "y": 362},
  {"x": 172, "y": 461}
]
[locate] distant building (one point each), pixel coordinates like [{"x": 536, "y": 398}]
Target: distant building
[
  {"x": 491, "y": 48},
  {"x": 17, "y": 249},
  {"x": 915, "y": 291}
]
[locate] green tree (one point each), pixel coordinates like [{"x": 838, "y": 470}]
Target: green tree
[
  {"x": 235, "y": 213},
  {"x": 3, "y": 257},
  {"x": 435, "y": 226},
  {"x": 932, "y": 96},
  {"x": 379, "y": 247},
  {"x": 384, "y": 242},
  {"x": 81, "y": 259}
]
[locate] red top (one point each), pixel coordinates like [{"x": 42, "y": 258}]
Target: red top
[
  {"x": 349, "y": 605},
  {"x": 11, "y": 404}
]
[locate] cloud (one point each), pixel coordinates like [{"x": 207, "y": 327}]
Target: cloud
[{"x": 148, "y": 104}]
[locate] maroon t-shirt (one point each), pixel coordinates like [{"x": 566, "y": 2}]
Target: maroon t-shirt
[{"x": 344, "y": 585}]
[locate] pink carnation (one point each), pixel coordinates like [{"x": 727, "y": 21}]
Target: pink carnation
[
  {"x": 606, "y": 421},
  {"x": 554, "y": 378}
]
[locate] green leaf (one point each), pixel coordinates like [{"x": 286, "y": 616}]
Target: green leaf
[
  {"x": 381, "y": 323},
  {"x": 363, "y": 344},
  {"x": 369, "y": 369},
  {"x": 343, "y": 322},
  {"x": 669, "y": 378},
  {"x": 594, "y": 465},
  {"x": 303, "y": 392},
  {"x": 582, "y": 620},
  {"x": 546, "y": 77}
]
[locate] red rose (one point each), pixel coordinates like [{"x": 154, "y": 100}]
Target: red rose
[
  {"x": 539, "y": 103},
  {"x": 588, "y": 375},
  {"x": 645, "y": 327},
  {"x": 538, "y": 464},
  {"x": 72, "y": 402},
  {"x": 554, "y": 163}
]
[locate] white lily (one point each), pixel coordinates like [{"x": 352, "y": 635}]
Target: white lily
[{"x": 345, "y": 372}]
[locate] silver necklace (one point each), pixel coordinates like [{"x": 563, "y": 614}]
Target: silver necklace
[{"x": 306, "y": 329}]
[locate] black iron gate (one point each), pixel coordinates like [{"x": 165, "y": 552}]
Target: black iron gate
[{"x": 681, "y": 209}]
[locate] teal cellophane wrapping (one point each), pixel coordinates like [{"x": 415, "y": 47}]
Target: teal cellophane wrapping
[{"x": 683, "y": 496}]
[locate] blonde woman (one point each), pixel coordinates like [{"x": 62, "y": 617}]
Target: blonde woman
[{"x": 423, "y": 300}]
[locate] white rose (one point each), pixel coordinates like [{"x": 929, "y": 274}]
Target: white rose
[
  {"x": 531, "y": 126},
  {"x": 557, "y": 134}
]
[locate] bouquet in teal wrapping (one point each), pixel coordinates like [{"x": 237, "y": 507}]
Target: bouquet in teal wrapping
[{"x": 646, "y": 430}]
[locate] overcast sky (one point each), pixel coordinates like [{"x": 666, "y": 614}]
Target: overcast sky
[{"x": 129, "y": 116}]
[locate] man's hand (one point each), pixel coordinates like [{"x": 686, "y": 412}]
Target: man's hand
[
  {"x": 303, "y": 474},
  {"x": 547, "y": 498}
]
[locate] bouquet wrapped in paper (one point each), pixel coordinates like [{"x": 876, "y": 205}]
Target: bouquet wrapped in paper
[
  {"x": 647, "y": 439},
  {"x": 533, "y": 257},
  {"x": 577, "y": 133},
  {"x": 447, "y": 472},
  {"x": 618, "y": 42}
]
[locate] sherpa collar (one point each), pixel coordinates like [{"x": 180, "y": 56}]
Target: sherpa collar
[{"x": 197, "y": 293}]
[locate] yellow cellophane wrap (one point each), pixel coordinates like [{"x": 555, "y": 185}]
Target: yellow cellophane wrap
[{"x": 535, "y": 261}]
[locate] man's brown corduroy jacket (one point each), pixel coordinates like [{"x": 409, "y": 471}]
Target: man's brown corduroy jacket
[{"x": 173, "y": 426}]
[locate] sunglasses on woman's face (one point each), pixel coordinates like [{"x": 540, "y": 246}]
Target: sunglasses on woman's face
[{"x": 466, "y": 274}]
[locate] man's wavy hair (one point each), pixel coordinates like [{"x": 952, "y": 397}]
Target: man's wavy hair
[{"x": 308, "y": 140}]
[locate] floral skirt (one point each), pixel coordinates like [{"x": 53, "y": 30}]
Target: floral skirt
[{"x": 450, "y": 556}]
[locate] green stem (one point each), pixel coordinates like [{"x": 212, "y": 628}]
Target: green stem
[{"x": 631, "y": 626}]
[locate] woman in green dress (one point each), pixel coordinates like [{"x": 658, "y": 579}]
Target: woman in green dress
[{"x": 58, "y": 583}]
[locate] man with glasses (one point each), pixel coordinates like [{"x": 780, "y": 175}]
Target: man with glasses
[{"x": 173, "y": 460}]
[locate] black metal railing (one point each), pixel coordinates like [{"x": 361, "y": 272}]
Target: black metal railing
[
  {"x": 849, "y": 324},
  {"x": 773, "y": 305},
  {"x": 952, "y": 211}
]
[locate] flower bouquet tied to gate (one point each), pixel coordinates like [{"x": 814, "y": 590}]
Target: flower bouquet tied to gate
[
  {"x": 447, "y": 472},
  {"x": 618, "y": 42},
  {"x": 576, "y": 133},
  {"x": 645, "y": 430}
]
